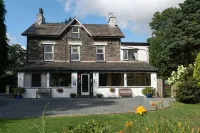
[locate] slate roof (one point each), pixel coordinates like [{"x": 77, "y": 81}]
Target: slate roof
[
  {"x": 47, "y": 29},
  {"x": 53, "y": 29},
  {"x": 135, "y": 44},
  {"x": 89, "y": 66}
]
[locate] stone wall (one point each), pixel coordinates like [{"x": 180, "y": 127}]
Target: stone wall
[{"x": 35, "y": 47}]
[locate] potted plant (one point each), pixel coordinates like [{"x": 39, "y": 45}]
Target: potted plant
[
  {"x": 72, "y": 95},
  {"x": 60, "y": 90},
  {"x": 148, "y": 92},
  {"x": 112, "y": 89},
  {"x": 18, "y": 92},
  {"x": 99, "y": 95}
]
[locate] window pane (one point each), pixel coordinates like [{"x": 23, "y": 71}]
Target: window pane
[
  {"x": 75, "y": 49},
  {"x": 100, "y": 57},
  {"x": 75, "y": 29},
  {"x": 111, "y": 79},
  {"x": 125, "y": 54},
  {"x": 36, "y": 80},
  {"x": 48, "y": 56},
  {"x": 48, "y": 48},
  {"x": 75, "y": 35},
  {"x": 74, "y": 56},
  {"x": 132, "y": 55},
  {"x": 60, "y": 79},
  {"x": 138, "y": 79},
  {"x": 100, "y": 50}
]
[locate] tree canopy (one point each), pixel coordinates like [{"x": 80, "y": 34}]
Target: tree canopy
[
  {"x": 196, "y": 73},
  {"x": 176, "y": 37},
  {"x": 3, "y": 39}
]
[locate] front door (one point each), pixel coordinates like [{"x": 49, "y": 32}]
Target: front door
[{"x": 85, "y": 84}]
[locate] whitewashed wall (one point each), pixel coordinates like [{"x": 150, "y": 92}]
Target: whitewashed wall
[
  {"x": 143, "y": 52},
  {"x": 137, "y": 90},
  {"x": 45, "y": 77}
]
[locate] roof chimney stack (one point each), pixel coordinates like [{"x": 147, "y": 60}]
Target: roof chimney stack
[
  {"x": 112, "y": 20},
  {"x": 40, "y": 17}
]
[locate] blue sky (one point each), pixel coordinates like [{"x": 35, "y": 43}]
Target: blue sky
[{"x": 22, "y": 13}]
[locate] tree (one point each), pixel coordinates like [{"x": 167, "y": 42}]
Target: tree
[
  {"x": 3, "y": 39},
  {"x": 196, "y": 73},
  {"x": 16, "y": 57},
  {"x": 68, "y": 20},
  {"x": 176, "y": 37}
]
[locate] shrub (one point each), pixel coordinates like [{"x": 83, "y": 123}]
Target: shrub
[
  {"x": 196, "y": 73},
  {"x": 73, "y": 95},
  {"x": 188, "y": 91},
  {"x": 88, "y": 127},
  {"x": 148, "y": 90},
  {"x": 99, "y": 95},
  {"x": 18, "y": 90}
]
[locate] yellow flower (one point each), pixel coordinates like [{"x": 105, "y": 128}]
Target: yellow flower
[
  {"x": 179, "y": 124},
  {"x": 129, "y": 124},
  {"x": 120, "y": 131},
  {"x": 140, "y": 110}
]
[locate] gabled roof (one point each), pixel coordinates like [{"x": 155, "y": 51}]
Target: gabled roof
[{"x": 55, "y": 29}]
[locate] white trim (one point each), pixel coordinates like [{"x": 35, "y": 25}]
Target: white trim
[
  {"x": 100, "y": 43},
  {"x": 49, "y": 52},
  {"x": 88, "y": 61},
  {"x": 126, "y": 54},
  {"x": 100, "y": 53},
  {"x": 75, "y": 43},
  {"x": 78, "y": 49},
  {"x": 71, "y": 23},
  {"x": 85, "y": 93},
  {"x": 48, "y": 42}
]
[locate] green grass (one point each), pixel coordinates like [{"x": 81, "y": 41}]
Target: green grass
[{"x": 178, "y": 111}]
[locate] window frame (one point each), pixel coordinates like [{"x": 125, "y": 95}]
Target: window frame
[
  {"x": 111, "y": 80},
  {"x": 69, "y": 86},
  {"x": 103, "y": 48},
  {"x": 128, "y": 54},
  {"x": 78, "y": 32},
  {"x": 49, "y": 52},
  {"x": 79, "y": 52}
]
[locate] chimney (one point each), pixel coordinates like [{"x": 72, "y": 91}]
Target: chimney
[
  {"x": 40, "y": 17},
  {"x": 112, "y": 20}
]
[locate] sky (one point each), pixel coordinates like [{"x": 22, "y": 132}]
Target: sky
[{"x": 133, "y": 16}]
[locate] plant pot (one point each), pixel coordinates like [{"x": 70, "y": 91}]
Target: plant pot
[
  {"x": 18, "y": 96},
  {"x": 60, "y": 90},
  {"x": 149, "y": 95}
]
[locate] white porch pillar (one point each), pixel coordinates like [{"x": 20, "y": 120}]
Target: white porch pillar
[
  {"x": 154, "y": 80},
  {"x": 20, "y": 78},
  {"x": 125, "y": 79},
  {"x": 48, "y": 79}
]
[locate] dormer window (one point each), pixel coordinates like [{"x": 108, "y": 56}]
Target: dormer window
[
  {"x": 75, "y": 32},
  {"x": 130, "y": 54}
]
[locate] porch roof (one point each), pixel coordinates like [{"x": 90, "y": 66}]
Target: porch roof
[{"x": 136, "y": 66}]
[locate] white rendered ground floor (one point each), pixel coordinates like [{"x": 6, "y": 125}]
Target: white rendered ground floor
[{"x": 85, "y": 83}]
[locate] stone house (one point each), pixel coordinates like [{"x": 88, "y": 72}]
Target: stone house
[{"x": 86, "y": 59}]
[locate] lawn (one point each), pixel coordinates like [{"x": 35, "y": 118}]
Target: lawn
[{"x": 178, "y": 111}]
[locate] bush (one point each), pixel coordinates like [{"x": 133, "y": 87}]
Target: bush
[
  {"x": 188, "y": 91},
  {"x": 148, "y": 90},
  {"x": 88, "y": 127},
  {"x": 18, "y": 90},
  {"x": 72, "y": 95},
  {"x": 99, "y": 95}
]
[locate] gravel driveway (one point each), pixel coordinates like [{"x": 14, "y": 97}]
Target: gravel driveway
[{"x": 22, "y": 108}]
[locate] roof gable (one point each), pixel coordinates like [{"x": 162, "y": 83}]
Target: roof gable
[{"x": 75, "y": 19}]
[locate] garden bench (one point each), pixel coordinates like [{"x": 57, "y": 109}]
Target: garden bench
[
  {"x": 44, "y": 91},
  {"x": 125, "y": 92}
]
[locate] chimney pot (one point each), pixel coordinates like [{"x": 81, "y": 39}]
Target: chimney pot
[{"x": 40, "y": 17}]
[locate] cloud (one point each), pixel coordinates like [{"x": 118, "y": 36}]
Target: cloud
[
  {"x": 130, "y": 14},
  {"x": 12, "y": 40}
]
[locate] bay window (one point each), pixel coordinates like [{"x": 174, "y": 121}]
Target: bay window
[{"x": 60, "y": 79}]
